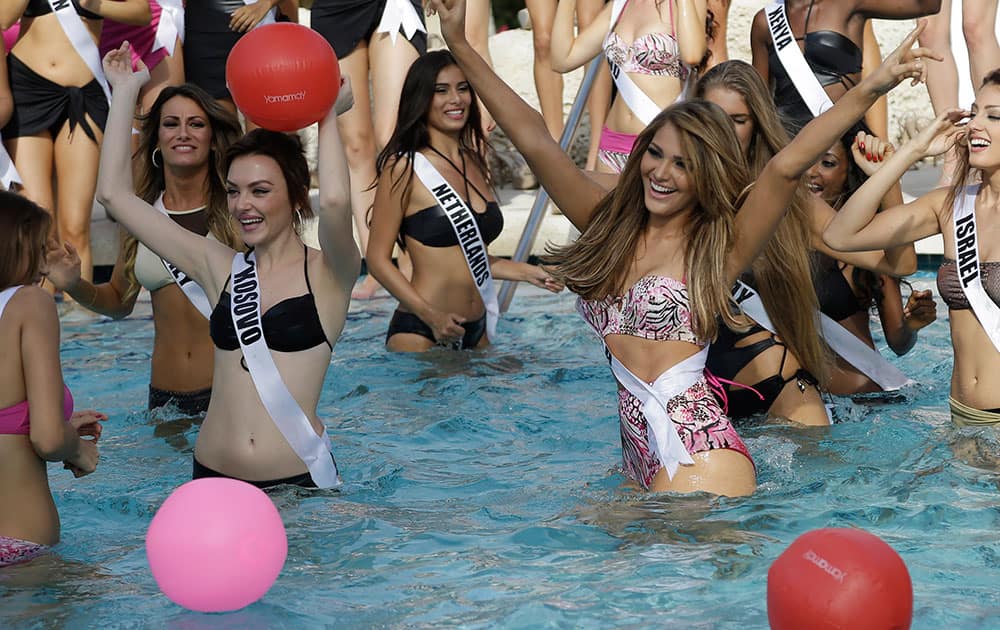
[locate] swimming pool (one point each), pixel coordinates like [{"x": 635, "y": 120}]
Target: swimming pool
[{"x": 480, "y": 491}]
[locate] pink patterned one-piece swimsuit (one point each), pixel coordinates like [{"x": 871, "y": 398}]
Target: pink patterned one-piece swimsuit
[{"x": 657, "y": 308}]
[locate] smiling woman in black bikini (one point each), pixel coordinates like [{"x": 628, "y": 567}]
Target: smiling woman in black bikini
[{"x": 445, "y": 220}]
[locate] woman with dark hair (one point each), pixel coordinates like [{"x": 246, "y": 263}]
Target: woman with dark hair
[
  {"x": 965, "y": 214},
  {"x": 278, "y": 308},
  {"x": 60, "y": 106},
  {"x": 847, "y": 291},
  {"x": 658, "y": 254},
  {"x": 782, "y": 355},
  {"x": 819, "y": 50},
  {"x": 179, "y": 169},
  {"x": 438, "y": 138},
  {"x": 37, "y": 423}
]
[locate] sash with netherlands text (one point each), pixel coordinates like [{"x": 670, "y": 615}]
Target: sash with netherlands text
[{"x": 467, "y": 231}]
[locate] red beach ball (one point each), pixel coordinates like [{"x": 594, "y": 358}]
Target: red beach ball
[
  {"x": 283, "y": 76},
  {"x": 839, "y": 578}
]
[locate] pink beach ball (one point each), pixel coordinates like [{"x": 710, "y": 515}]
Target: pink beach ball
[{"x": 216, "y": 545}]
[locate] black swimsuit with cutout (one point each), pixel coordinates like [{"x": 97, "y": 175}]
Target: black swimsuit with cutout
[{"x": 833, "y": 58}]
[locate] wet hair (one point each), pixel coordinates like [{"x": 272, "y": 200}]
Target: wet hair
[
  {"x": 412, "y": 133},
  {"x": 783, "y": 273},
  {"x": 596, "y": 264},
  {"x": 286, "y": 150},
  {"x": 24, "y": 230},
  {"x": 151, "y": 179}
]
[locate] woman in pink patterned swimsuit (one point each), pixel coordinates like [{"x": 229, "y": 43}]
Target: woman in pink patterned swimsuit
[{"x": 657, "y": 255}]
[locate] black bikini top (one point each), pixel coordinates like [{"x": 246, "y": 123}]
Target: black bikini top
[
  {"x": 432, "y": 227},
  {"x": 291, "y": 325},
  {"x": 836, "y": 298},
  {"x": 36, "y": 8},
  {"x": 833, "y": 58}
]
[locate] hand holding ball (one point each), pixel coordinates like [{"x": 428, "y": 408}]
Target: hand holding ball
[
  {"x": 216, "y": 545},
  {"x": 283, "y": 76}
]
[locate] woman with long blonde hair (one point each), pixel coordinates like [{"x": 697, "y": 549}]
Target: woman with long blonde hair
[
  {"x": 657, "y": 256},
  {"x": 179, "y": 166},
  {"x": 965, "y": 214}
]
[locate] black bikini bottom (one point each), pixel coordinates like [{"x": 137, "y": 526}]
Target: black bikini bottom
[
  {"x": 188, "y": 403},
  {"x": 304, "y": 480},
  {"x": 726, "y": 360},
  {"x": 403, "y": 322},
  {"x": 43, "y": 105}
]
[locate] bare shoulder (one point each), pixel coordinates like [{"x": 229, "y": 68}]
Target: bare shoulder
[{"x": 34, "y": 308}]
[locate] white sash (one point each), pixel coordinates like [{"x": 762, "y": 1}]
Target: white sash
[
  {"x": 171, "y": 25},
  {"x": 644, "y": 108},
  {"x": 195, "y": 294},
  {"x": 314, "y": 450},
  {"x": 794, "y": 62},
  {"x": 8, "y": 174},
  {"x": 870, "y": 362},
  {"x": 79, "y": 37},
  {"x": 5, "y": 296},
  {"x": 269, "y": 17},
  {"x": 665, "y": 440},
  {"x": 400, "y": 14},
  {"x": 967, "y": 264},
  {"x": 467, "y": 231}
]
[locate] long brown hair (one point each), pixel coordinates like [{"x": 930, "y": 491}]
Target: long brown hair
[
  {"x": 24, "y": 227},
  {"x": 963, "y": 171},
  {"x": 150, "y": 179},
  {"x": 782, "y": 272},
  {"x": 412, "y": 132},
  {"x": 596, "y": 264}
]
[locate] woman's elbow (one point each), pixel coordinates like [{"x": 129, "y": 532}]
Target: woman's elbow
[{"x": 49, "y": 445}]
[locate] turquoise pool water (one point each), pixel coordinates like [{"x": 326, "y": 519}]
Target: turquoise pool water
[{"x": 481, "y": 491}]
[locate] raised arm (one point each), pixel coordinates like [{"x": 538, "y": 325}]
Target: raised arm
[
  {"x": 107, "y": 298},
  {"x": 759, "y": 38},
  {"x": 857, "y": 226},
  {"x": 570, "y": 189},
  {"x": 768, "y": 200},
  {"x": 876, "y": 260},
  {"x": 336, "y": 236},
  {"x": 135, "y": 12},
  {"x": 897, "y": 9},
  {"x": 10, "y": 12},
  {"x": 692, "y": 40},
  {"x": 205, "y": 260},
  {"x": 569, "y": 51}
]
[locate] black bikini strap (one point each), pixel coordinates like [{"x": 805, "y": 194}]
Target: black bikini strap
[
  {"x": 461, "y": 171},
  {"x": 305, "y": 267},
  {"x": 805, "y": 27}
]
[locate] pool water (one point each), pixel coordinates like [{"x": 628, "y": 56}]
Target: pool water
[{"x": 481, "y": 490}]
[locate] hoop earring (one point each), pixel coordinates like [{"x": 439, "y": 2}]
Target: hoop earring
[
  {"x": 152, "y": 157},
  {"x": 298, "y": 219}
]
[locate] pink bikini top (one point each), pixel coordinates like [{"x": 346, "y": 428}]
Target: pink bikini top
[
  {"x": 655, "y": 54},
  {"x": 655, "y": 307},
  {"x": 15, "y": 420}
]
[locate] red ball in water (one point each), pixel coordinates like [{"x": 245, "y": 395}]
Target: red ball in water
[
  {"x": 283, "y": 76},
  {"x": 839, "y": 578}
]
